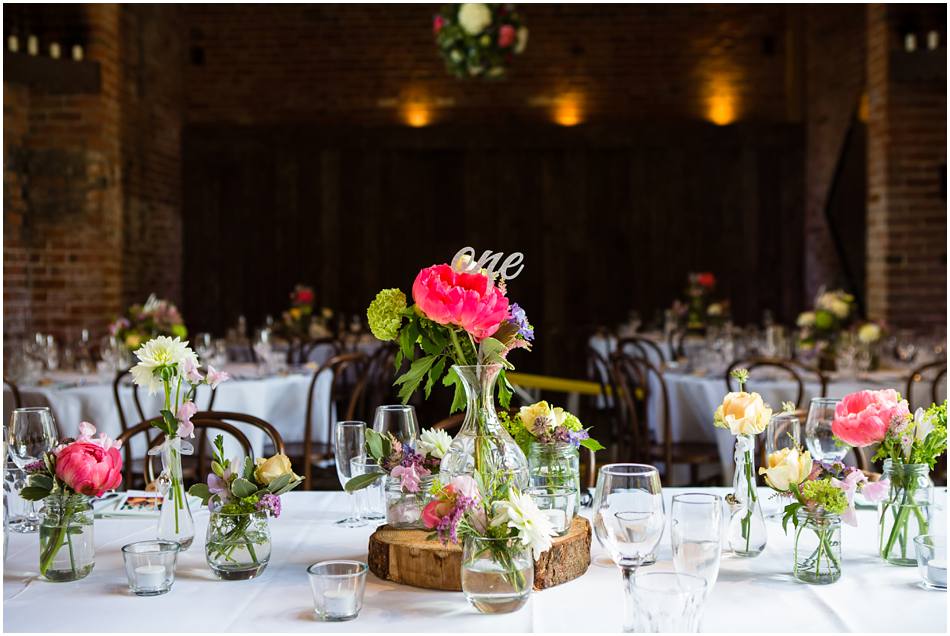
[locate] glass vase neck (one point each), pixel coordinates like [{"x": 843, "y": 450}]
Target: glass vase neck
[{"x": 479, "y": 382}]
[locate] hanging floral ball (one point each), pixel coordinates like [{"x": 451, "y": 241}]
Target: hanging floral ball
[{"x": 479, "y": 40}]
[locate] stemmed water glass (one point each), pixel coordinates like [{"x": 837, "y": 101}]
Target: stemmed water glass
[
  {"x": 628, "y": 520},
  {"x": 398, "y": 419},
  {"x": 349, "y": 439},
  {"x": 819, "y": 438},
  {"x": 31, "y": 434},
  {"x": 696, "y": 535}
]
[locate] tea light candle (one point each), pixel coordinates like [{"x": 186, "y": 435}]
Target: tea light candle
[
  {"x": 150, "y": 576},
  {"x": 338, "y": 603},
  {"x": 937, "y": 571}
]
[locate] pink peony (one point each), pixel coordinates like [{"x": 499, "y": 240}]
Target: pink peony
[
  {"x": 88, "y": 468},
  {"x": 437, "y": 508},
  {"x": 506, "y": 36},
  {"x": 469, "y": 301},
  {"x": 863, "y": 418}
]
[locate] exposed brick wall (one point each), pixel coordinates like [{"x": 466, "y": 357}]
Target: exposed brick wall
[{"x": 907, "y": 213}]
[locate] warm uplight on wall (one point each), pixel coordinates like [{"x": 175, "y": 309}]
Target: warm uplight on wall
[
  {"x": 722, "y": 107},
  {"x": 567, "y": 110},
  {"x": 417, "y": 115}
]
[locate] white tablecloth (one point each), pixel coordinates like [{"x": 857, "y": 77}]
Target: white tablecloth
[
  {"x": 751, "y": 595},
  {"x": 278, "y": 399}
]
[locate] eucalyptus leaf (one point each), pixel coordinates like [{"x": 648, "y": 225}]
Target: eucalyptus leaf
[
  {"x": 201, "y": 491},
  {"x": 374, "y": 444},
  {"x": 242, "y": 487},
  {"x": 248, "y": 471},
  {"x": 361, "y": 481},
  {"x": 279, "y": 483}
]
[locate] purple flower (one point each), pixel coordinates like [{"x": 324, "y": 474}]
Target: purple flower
[
  {"x": 35, "y": 467},
  {"x": 448, "y": 525},
  {"x": 269, "y": 503},
  {"x": 518, "y": 317},
  {"x": 219, "y": 486}
]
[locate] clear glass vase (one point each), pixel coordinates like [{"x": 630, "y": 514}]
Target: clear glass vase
[
  {"x": 747, "y": 533},
  {"x": 67, "y": 546},
  {"x": 905, "y": 514},
  {"x": 174, "y": 521},
  {"x": 555, "y": 466},
  {"x": 483, "y": 445},
  {"x": 404, "y": 509},
  {"x": 238, "y": 545},
  {"x": 497, "y": 574},
  {"x": 817, "y": 547}
]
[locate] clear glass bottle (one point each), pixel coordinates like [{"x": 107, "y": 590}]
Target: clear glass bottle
[
  {"x": 175, "y": 522},
  {"x": 817, "y": 547},
  {"x": 238, "y": 545},
  {"x": 497, "y": 574},
  {"x": 404, "y": 509},
  {"x": 747, "y": 534},
  {"x": 555, "y": 466},
  {"x": 483, "y": 444},
  {"x": 67, "y": 546},
  {"x": 905, "y": 513}
]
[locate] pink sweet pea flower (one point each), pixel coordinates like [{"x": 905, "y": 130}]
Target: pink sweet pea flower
[
  {"x": 875, "y": 491},
  {"x": 467, "y": 300},
  {"x": 864, "y": 418},
  {"x": 215, "y": 378},
  {"x": 190, "y": 371},
  {"x": 409, "y": 476},
  {"x": 850, "y": 485},
  {"x": 184, "y": 415}
]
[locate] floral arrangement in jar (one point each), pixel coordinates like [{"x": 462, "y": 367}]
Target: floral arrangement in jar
[
  {"x": 910, "y": 446},
  {"x": 502, "y": 532},
  {"x": 409, "y": 473},
  {"x": 241, "y": 496},
  {"x": 822, "y": 497},
  {"x": 169, "y": 365},
  {"x": 65, "y": 480},
  {"x": 157, "y": 317},
  {"x": 820, "y": 328},
  {"x": 479, "y": 40},
  {"x": 300, "y": 321}
]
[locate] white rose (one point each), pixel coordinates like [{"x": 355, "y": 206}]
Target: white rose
[
  {"x": 474, "y": 18},
  {"x": 521, "y": 40}
]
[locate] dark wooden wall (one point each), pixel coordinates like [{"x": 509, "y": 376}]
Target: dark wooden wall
[{"x": 609, "y": 218}]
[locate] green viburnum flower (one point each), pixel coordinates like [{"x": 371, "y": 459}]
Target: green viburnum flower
[
  {"x": 824, "y": 494},
  {"x": 385, "y": 313},
  {"x": 571, "y": 422}
]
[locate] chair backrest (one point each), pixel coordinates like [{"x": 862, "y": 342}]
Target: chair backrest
[
  {"x": 643, "y": 346},
  {"x": 300, "y": 350},
  {"x": 210, "y": 419},
  {"x": 674, "y": 341},
  {"x": 789, "y": 367},
  {"x": 376, "y": 384},
  {"x": 201, "y": 427},
  {"x": 346, "y": 369},
  {"x": 919, "y": 375},
  {"x": 17, "y": 399},
  {"x": 633, "y": 377}
]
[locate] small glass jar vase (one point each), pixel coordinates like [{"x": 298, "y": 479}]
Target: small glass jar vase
[
  {"x": 237, "y": 545},
  {"x": 67, "y": 548},
  {"x": 817, "y": 547},
  {"x": 404, "y": 509},
  {"x": 747, "y": 533},
  {"x": 497, "y": 574},
  {"x": 555, "y": 466},
  {"x": 905, "y": 514}
]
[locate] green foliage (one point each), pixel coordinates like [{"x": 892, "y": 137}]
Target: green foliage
[
  {"x": 592, "y": 444},
  {"x": 362, "y": 481},
  {"x": 923, "y": 451}
]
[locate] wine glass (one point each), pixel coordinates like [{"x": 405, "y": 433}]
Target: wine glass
[
  {"x": 398, "y": 419},
  {"x": 31, "y": 434},
  {"x": 906, "y": 348},
  {"x": 204, "y": 346},
  {"x": 696, "y": 535},
  {"x": 349, "y": 439},
  {"x": 628, "y": 520},
  {"x": 819, "y": 439}
]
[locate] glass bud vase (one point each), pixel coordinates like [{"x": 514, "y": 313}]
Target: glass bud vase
[
  {"x": 817, "y": 547},
  {"x": 174, "y": 522},
  {"x": 905, "y": 514},
  {"x": 747, "y": 532},
  {"x": 404, "y": 509},
  {"x": 497, "y": 574},
  {"x": 482, "y": 444},
  {"x": 238, "y": 544},
  {"x": 67, "y": 548},
  {"x": 555, "y": 466}
]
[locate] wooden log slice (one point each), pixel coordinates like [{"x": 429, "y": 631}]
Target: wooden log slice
[{"x": 407, "y": 557}]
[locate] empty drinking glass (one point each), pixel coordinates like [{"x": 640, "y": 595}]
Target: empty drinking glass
[
  {"x": 349, "y": 438},
  {"x": 667, "y": 602},
  {"x": 31, "y": 434},
  {"x": 819, "y": 439},
  {"x": 628, "y": 520},
  {"x": 398, "y": 419},
  {"x": 696, "y": 535},
  {"x": 373, "y": 497}
]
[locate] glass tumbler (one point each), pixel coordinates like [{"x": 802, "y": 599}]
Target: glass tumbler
[
  {"x": 150, "y": 566},
  {"x": 338, "y": 588}
]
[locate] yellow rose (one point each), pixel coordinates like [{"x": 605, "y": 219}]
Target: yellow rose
[
  {"x": 743, "y": 413},
  {"x": 132, "y": 341},
  {"x": 267, "y": 470},
  {"x": 786, "y": 467},
  {"x": 538, "y": 417}
]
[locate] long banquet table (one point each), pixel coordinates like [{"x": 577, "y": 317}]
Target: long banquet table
[{"x": 751, "y": 595}]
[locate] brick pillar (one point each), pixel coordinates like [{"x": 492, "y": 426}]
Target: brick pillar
[{"x": 907, "y": 140}]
